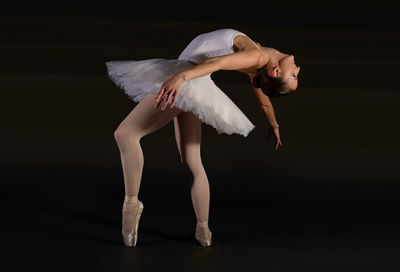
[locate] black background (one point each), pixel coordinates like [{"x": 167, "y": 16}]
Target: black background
[
  {"x": 344, "y": 14},
  {"x": 327, "y": 200}
]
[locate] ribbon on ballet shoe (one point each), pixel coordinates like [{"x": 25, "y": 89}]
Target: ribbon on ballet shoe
[
  {"x": 131, "y": 198},
  {"x": 131, "y": 203},
  {"x": 205, "y": 241},
  {"x": 202, "y": 223}
]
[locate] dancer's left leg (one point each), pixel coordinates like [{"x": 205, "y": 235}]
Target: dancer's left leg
[{"x": 188, "y": 138}]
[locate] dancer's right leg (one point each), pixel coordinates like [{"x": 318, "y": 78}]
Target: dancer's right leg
[{"x": 142, "y": 120}]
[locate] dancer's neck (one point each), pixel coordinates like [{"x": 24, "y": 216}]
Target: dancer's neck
[{"x": 275, "y": 56}]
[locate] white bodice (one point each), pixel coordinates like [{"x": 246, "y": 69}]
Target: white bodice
[{"x": 210, "y": 44}]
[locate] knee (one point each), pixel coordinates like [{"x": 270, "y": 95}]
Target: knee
[{"x": 124, "y": 134}]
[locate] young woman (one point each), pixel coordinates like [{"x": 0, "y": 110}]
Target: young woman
[{"x": 183, "y": 91}]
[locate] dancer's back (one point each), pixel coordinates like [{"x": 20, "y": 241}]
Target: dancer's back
[{"x": 210, "y": 44}]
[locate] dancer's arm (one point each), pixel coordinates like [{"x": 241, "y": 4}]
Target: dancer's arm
[
  {"x": 236, "y": 61},
  {"x": 266, "y": 106}
]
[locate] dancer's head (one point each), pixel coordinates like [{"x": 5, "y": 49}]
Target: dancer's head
[{"x": 279, "y": 80}]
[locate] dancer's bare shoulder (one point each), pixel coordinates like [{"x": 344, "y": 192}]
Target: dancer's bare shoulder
[{"x": 244, "y": 43}]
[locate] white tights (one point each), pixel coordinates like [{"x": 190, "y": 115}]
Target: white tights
[{"x": 143, "y": 120}]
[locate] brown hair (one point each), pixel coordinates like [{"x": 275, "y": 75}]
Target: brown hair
[{"x": 271, "y": 86}]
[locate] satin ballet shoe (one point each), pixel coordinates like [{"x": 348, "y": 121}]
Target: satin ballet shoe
[
  {"x": 203, "y": 242},
  {"x": 131, "y": 213}
]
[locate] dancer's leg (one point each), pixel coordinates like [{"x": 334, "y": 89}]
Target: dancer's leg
[
  {"x": 177, "y": 136},
  {"x": 188, "y": 138},
  {"x": 142, "y": 120}
]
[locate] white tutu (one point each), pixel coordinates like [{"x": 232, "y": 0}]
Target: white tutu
[{"x": 200, "y": 95}]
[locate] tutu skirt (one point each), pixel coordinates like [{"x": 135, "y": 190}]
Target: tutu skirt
[{"x": 200, "y": 95}]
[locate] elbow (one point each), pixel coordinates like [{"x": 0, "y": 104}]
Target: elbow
[
  {"x": 211, "y": 60},
  {"x": 215, "y": 63},
  {"x": 265, "y": 106},
  {"x": 218, "y": 62}
]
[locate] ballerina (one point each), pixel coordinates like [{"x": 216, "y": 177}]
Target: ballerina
[{"x": 183, "y": 91}]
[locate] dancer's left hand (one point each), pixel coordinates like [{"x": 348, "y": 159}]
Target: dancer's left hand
[
  {"x": 275, "y": 130},
  {"x": 170, "y": 88}
]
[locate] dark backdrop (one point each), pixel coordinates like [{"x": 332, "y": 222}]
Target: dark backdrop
[{"x": 322, "y": 14}]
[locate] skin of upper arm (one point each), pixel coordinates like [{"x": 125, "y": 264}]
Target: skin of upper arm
[
  {"x": 266, "y": 106},
  {"x": 239, "y": 60},
  {"x": 263, "y": 99}
]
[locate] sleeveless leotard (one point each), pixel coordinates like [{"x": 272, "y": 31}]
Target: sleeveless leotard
[
  {"x": 200, "y": 95},
  {"x": 211, "y": 44}
]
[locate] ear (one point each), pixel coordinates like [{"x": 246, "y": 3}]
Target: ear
[{"x": 274, "y": 72}]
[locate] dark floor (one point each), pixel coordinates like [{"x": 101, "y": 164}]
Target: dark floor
[
  {"x": 69, "y": 219},
  {"x": 328, "y": 200}
]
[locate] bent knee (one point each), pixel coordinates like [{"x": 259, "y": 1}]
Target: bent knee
[{"x": 123, "y": 134}]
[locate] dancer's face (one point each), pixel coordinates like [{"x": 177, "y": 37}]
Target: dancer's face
[{"x": 288, "y": 71}]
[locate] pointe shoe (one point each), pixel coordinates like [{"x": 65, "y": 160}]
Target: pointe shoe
[
  {"x": 130, "y": 222},
  {"x": 202, "y": 241}
]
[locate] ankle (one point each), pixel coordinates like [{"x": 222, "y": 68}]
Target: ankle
[
  {"x": 131, "y": 198},
  {"x": 202, "y": 223},
  {"x": 130, "y": 203}
]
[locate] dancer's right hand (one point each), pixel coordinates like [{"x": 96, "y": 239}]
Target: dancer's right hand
[{"x": 171, "y": 87}]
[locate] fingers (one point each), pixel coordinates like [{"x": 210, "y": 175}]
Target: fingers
[
  {"x": 167, "y": 94},
  {"x": 166, "y": 100},
  {"x": 278, "y": 143},
  {"x": 276, "y": 146},
  {"x": 173, "y": 100},
  {"x": 158, "y": 97},
  {"x": 161, "y": 95},
  {"x": 158, "y": 102}
]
